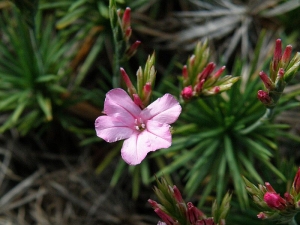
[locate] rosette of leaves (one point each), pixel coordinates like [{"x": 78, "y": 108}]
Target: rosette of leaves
[
  {"x": 34, "y": 73},
  {"x": 214, "y": 144}
]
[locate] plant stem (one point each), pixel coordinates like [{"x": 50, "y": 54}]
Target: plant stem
[
  {"x": 116, "y": 58},
  {"x": 260, "y": 121}
]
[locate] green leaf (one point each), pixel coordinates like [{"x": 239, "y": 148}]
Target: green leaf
[
  {"x": 70, "y": 18},
  {"x": 235, "y": 172},
  {"x": 45, "y": 104}
]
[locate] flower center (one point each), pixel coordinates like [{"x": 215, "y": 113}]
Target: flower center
[{"x": 139, "y": 124}]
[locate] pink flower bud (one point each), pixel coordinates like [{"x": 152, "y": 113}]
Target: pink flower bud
[
  {"x": 137, "y": 100},
  {"x": 153, "y": 203},
  {"x": 187, "y": 93},
  {"x": 185, "y": 72},
  {"x": 264, "y": 97},
  {"x": 126, "y": 19},
  {"x": 262, "y": 216},
  {"x": 177, "y": 194},
  {"x": 132, "y": 50},
  {"x": 269, "y": 187},
  {"x": 165, "y": 217},
  {"x": 207, "y": 71},
  {"x": 216, "y": 89},
  {"x": 266, "y": 80},
  {"x": 296, "y": 183},
  {"x": 286, "y": 55},
  {"x": 274, "y": 201},
  {"x": 219, "y": 72},
  {"x": 280, "y": 73},
  {"x": 277, "y": 54},
  {"x": 127, "y": 33},
  {"x": 289, "y": 198},
  {"x": 199, "y": 86},
  {"x": 194, "y": 213},
  {"x": 130, "y": 87}
]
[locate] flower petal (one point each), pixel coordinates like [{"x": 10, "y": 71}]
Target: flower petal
[
  {"x": 111, "y": 129},
  {"x": 164, "y": 110},
  {"x": 156, "y": 136},
  {"x": 118, "y": 103}
]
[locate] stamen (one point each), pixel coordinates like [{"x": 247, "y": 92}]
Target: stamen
[{"x": 139, "y": 124}]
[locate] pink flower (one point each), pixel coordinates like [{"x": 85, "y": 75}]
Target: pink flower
[{"x": 144, "y": 130}]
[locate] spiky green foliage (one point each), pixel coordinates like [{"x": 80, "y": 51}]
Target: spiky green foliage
[
  {"x": 34, "y": 72},
  {"x": 215, "y": 141}
]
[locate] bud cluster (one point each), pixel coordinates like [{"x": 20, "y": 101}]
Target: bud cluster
[
  {"x": 126, "y": 31},
  {"x": 174, "y": 211},
  {"x": 145, "y": 81},
  {"x": 275, "y": 207},
  {"x": 198, "y": 76},
  {"x": 282, "y": 71}
]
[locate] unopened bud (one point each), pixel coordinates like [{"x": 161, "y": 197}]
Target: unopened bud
[
  {"x": 289, "y": 198},
  {"x": 164, "y": 216},
  {"x": 265, "y": 98},
  {"x": 187, "y": 93},
  {"x": 199, "y": 86},
  {"x": 269, "y": 85},
  {"x": 126, "y": 19},
  {"x": 296, "y": 183},
  {"x": 206, "y": 72},
  {"x": 286, "y": 56},
  {"x": 194, "y": 213},
  {"x": 185, "y": 72},
  {"x": 130, "y": 88},
  {"x": 269, "y": 187},
  {"x": 177, "y": 194},
  {"x": 274, "y": 201},
  {"x": 262, "y": 216},
  {"x": 132, "y": 50},
  {"x": 137, "y": 100},
  {"x": 277, "y": 54}
]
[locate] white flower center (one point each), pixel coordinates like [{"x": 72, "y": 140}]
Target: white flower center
[{"x": 139, "y": 124}]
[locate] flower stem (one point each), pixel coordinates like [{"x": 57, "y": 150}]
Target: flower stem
[
  {"x": 260, "y": 121},
  {"x": 115, "y": 33}
]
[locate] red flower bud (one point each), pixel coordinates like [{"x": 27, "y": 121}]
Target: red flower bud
[
  {"x": 277, "y": 54},
  {"x": 165, "y": 217},
  {"x": 194, "y": 214},
  {"x": 126, "y": 19},
  {"x": 185, "y": 72},
  {"x": 296, "y": 183},
  {"x": 264, "y": 97},
  {"x": 132, "y": 50},
  {"x": 262, "y": 216},
  {"x": 199, "y": 86},
  {"x": 266, "y": 80},
  {"x": 286, "y": 55},
  {"x": 137, "y": 100},
  {"x": 130, "y": 87},
  {"x": 177, "y": 194},
  {"x": 207, "y": 71},
  {"x": 187, "y": 93},
  {"x": 274, "y": 201},
  {"x": 269, "y": 187}
]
